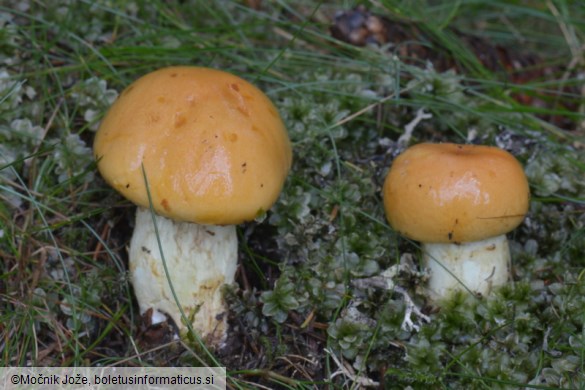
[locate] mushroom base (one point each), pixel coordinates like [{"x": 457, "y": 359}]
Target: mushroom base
[
  {"x": 200, "y": 259},
  {"x": 472, "y": 266}
]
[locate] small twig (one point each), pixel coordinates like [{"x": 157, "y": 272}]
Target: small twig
[
  {"x": 343, "y": 370},
  {"x": 99, "y": 245},
  {"x": 409, "y": 128},
  {"x": 407, "y": 324},
  {"x": 271, "y": 375},
  {"x": 568, "y": 33},
  {"x": 545, "y": 347},
  {"x": 373, "y": 105},
  {"x": 385, "y": 281},
  {"x": 298, "y": 367}
]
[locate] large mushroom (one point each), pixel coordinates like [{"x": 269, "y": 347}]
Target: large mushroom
[
  {"x": 204, "y": 150},
  {"x": 459, "y": 201}
]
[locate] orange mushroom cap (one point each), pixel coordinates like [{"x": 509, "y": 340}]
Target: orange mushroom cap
[
  {"x": 448, "y": 193},
  {"x": 213, "y": 146}
]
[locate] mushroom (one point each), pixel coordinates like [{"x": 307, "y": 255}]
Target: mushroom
[
  {"x": 459, "y": 201},
  {"x": 204, "y": 150}
]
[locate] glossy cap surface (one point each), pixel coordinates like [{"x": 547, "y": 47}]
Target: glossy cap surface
[
  {"x": 441, "y": 193},
  {"x": 213, "y": 146}
]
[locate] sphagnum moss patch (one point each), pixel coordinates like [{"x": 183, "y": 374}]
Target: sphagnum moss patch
[{"x": 327, "y": 293}]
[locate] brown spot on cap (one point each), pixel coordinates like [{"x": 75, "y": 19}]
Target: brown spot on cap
[
  {"x": 243, "y": 110},
  {"x": 179, "y": 119}
]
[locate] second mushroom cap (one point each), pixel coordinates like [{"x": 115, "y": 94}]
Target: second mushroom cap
[{"x": 449, "y": 193}]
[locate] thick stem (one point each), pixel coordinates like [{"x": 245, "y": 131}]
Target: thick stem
[
  {"x": 200, "y": 259},
  {"x": 475, "y": 266}
]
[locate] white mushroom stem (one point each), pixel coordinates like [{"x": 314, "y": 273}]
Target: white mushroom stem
[
  {"x": 200, "y": 259},
  {"x": 475, "y": 266}
]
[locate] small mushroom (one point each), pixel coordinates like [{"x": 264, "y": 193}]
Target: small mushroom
[
  {"x": 215, "y": 153},
  {"x": 459, "y": 201}
]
